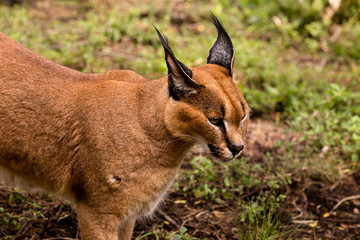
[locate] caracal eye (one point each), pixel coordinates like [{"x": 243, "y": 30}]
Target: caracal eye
[{"x": 215, "y": 121}]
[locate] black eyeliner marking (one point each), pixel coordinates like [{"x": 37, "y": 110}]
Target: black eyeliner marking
[{"x": 222, "y": 126}]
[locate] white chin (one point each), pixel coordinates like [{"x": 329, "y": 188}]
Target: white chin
[
  {"x": 227, "y": 158},
  {"x": 230, "y": 157}
]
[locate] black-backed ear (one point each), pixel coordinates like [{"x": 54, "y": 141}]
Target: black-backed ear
[
  {"x": 222, "y": 52},
  {"x": 181, "y": 84}
]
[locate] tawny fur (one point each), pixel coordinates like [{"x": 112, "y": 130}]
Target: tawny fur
[{"x": 111, "y": 143}]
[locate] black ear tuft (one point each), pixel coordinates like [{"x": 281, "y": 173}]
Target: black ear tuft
[
  {"x": 222, "y": 52},
  {"x": 167, "y": 48},
  {"x": 180, "y": 82},
  {"x": 164, "y": 40}
]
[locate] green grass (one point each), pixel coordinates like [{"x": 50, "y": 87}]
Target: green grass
[
  {"x": 263, "y": 224},
  {"x": 290, "y": 65}
]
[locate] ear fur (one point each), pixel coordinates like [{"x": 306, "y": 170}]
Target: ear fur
[
  {"x": 222, "y": 52},
  {"x": 180, "y": 79}
]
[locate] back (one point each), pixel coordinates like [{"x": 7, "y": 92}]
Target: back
[{"x": 18, "y": 62}]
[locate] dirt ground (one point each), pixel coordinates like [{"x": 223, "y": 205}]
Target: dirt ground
[{"x": 314, "y": 203}]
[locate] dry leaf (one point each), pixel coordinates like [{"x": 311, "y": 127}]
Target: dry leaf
[{"x": 314, "y": 224}]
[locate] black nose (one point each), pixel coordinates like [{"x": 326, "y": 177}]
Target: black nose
[{"x": 235, "y": 149}]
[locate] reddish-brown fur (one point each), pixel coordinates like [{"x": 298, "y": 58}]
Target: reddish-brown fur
[{"x": 112, "y": 143}]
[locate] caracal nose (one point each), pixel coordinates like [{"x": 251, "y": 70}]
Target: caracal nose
[{"x": 236, "y": 148}]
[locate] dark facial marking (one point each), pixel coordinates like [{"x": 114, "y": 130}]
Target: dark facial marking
[
  {"x": 117, "y": 178},
  {"x": 221, "y": 125},
  {"x": 223, "y": 110},
  {"x": 214, "y": 150}
]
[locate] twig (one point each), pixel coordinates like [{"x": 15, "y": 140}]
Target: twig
[
  {"x": 344, "y": 200},
  {"x": 167, "y": 217},
  {"x": 188, "y": 217},
  {"x": 305, "y": 221},
  {"x": 301, "y": 212}
]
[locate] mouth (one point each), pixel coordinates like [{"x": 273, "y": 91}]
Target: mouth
[
  {"x": 238, "y": 155},
  {"x": 219, "y": 154}
]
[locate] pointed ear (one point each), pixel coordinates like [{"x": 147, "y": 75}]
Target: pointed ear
[
  {"x": 222, "y": 52},
  {"x": 180, "y": 80}
]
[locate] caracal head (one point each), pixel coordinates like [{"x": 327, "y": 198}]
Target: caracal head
[{"x": 205, "y": 105}]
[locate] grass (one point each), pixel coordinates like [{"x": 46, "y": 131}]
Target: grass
[
  {"x": 262, "y": 224},
  {"x": 292, "y": 65}
]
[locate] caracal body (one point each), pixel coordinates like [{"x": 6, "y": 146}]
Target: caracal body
[{"x": 112, "y": 143}]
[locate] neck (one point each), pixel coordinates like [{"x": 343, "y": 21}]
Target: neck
[{"x": 169, "y": 150}]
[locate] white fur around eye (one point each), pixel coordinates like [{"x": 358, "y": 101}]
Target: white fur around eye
[
  {"x": 225, "y": 124},
  {"x": 244, "y": 118}
]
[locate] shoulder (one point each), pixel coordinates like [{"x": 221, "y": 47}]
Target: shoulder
[{"x": 124, "y": 76}]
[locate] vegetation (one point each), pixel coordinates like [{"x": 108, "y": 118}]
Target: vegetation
[{"x": 297, "y": 63}]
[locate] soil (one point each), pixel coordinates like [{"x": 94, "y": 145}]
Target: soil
[{"x": 310, "y": 205}]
